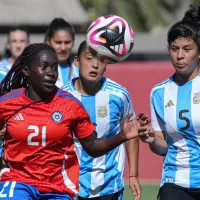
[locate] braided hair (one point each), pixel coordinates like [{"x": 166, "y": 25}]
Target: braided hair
[
  {"x": 15, "y": 77},
  {"x": 188, "y": 27}
]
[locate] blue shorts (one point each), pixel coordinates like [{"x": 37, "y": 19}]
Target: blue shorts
[{"x": 21, "y": 191}]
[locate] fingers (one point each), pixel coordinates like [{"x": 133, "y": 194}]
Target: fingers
[
  {"x": 143, "y": 119},
  {"x": 136, "y": 188},
  {"x": 138, "y": 192},
  {"x": 140, "y": 115},
  {"x": 144, "y": 122},
  {"x": 127, "y": 118}
]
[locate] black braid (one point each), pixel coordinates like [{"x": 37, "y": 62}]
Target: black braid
[{"x": 15, "y": 78}]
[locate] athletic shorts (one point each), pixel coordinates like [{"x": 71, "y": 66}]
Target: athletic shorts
[
  {"x": 170, "y": 191},
  {"x": 115, "y": 196},
  {"x": 13, "y": 190}
]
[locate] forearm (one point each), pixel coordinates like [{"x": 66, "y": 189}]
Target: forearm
[
  {"x": 96, "y": 147},
  {"x": 132, "y": 150},
  {"x": 159, "y": 147}
]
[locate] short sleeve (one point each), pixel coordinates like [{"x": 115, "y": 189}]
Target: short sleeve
[
  {"x": 83, "y": 127},
  {"x": 156, "y": 122},
  {"x": 128, "y": 106}
]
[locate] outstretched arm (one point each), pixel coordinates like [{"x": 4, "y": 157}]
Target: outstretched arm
[{"x": 96, "y": 147}]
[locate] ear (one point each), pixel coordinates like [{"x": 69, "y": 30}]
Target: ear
[
  {"x": 7, "y": 45},
  {"x": 47, "y": 41},
  {"x": 76, "y": 61},
  {"x": 25, "y": 71}
]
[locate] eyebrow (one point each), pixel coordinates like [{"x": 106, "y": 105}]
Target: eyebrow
[
  {"x": 187, "y": 45},
  {"x": 46, "y": 62}
]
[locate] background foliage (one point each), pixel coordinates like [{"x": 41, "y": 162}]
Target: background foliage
[{"x": 142, "y": 15}]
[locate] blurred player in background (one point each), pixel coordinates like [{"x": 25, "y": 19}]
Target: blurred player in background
[
  {"x": 175, "y": 108},
  {"x": 18, "y": 39},
  {"x": 41, "y": 120},
  {"x": 60, "y": 35},
  {"x": 107, "y": 104}
]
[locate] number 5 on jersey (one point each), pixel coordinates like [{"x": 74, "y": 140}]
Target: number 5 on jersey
[{"x": 36, "y": 132}]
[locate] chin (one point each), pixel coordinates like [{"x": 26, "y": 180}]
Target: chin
[
  {"x": 48, "y": 90},
  {"x": 63, "y": 60}
]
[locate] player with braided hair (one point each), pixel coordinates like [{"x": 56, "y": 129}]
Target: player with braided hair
[
  {"x": 41, "y": 120},
  {"x": 175, "y": 107}
]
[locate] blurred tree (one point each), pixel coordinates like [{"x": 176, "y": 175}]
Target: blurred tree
[{"x": 142, "y": 15}]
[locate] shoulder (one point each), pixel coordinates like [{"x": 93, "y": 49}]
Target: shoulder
[
  {"x": 116, "y": 89},
  {"x": 64, "y": 95},
  {"x": 68, "y": 87},
  {"x": 161, "y": 86},
  {"x": 11, "y": 95},
  {"x": 5, "y": 65}
]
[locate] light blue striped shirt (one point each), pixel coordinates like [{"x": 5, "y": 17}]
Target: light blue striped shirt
[
  {"x": 5, "y": 66},
  {"x": 175, "y": 110},
  {"x": 107, "y": 109}
]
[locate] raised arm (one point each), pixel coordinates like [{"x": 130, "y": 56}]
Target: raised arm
[{"x": 96, "y": 147}]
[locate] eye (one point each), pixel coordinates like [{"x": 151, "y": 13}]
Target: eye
[
  {"x": 89, "y": 58},
  {"x": 43, "y": 66},
  {"x": 55, "y": 67},
  {"x": 173, "y": 48},
  {"x": 188, "y": 49}
]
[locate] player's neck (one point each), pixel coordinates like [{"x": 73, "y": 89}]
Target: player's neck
[
  {"x": 181, "y": 78},
  {"x": 86, "y": 87},
  {"x": 36, "y": 96}
]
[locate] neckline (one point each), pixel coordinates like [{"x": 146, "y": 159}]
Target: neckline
[
  {"x": 28, "y": 100},
  {"x": 84, "y": 95},
  {"x": 186, "y": 83}
]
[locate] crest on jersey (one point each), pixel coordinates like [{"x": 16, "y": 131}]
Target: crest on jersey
[
  {"x": 57, "y": 116},
  {"x": 102, "y": 111},
  {"x": 196, "y": 98}
]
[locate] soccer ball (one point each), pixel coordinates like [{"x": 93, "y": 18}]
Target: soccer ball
[{"x": 110, "y": 38}]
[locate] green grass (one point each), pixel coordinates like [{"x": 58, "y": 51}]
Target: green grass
[{"x": 149, "y": 192}]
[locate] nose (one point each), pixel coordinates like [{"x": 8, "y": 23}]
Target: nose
[
  {"x": 50, "y": 72},
  {"x": 95, "y": 63},
  {"x": 63, "y": 47},
  {"x": 180, "y": 54}
]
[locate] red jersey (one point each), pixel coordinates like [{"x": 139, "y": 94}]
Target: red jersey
[{"x": 39, "y": 147}]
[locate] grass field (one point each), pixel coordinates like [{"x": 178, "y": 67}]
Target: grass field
[{"x": 149, "y": 192}]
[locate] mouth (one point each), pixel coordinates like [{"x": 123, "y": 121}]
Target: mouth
[
  {"x": 50, "y": 83},
  {"x": 62, "y": 54},
  {"x": 180, "y": 65},
  {"x": 93, "y": 74}
]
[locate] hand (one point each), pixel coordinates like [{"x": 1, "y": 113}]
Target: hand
[
  {"x": 135, "y": 187},
  {"x": 129, "y": 129},
  {"x": 146, "y": 134}
]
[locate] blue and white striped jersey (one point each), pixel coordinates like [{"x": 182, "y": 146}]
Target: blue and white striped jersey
[
  {"x": 66, "y": 73},
  {"x": 5, "y": 66},
  {"x": 107, "y": 109},
  {"x": 175, "y": 110}
]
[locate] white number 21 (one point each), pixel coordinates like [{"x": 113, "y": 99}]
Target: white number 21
[{"x": 35, "y": 133}]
